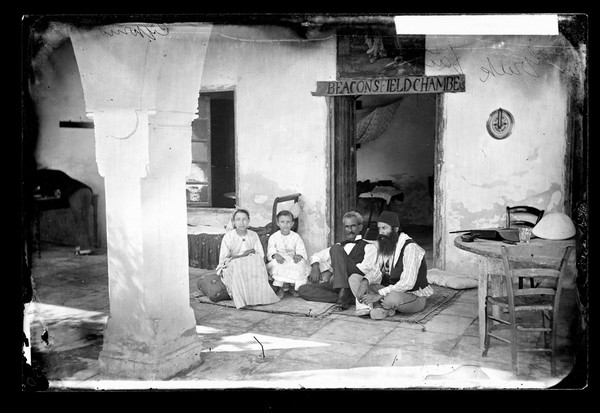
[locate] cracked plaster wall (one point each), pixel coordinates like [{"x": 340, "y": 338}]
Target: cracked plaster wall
[
  {"x": 280, "y": 128},
  {"x": 527, "y": 75}
]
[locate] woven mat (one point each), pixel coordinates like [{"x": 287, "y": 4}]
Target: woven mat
[
  {"x": 288, "y": 305},
  {"x": 441, "y": 299}
]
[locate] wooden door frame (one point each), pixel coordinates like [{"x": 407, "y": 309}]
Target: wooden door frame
[
  {"x": 341, "y": 162},
  {"x": 342, "y": 174},
  {"x": 439, "y": 183}
]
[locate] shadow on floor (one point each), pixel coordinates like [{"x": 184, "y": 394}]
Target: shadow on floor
[{"x": 70, "y": 307}]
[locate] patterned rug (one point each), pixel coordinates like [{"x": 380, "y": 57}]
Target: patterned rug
[
  {"x": 288, "y": 305},
  {"x": 441, "y": 299}
]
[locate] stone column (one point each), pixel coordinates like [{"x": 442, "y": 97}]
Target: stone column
[{"x": 141, "y": 85}]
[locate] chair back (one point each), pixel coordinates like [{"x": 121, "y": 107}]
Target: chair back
[
  {"x": 515, "y": 215},
  {"x": 547, "y": 264},
  {"x": 278, "y": 200}
]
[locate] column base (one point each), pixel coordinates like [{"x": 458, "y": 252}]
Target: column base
[{"x": 137, "y": 361}]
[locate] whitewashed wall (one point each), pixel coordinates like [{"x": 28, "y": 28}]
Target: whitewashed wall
[
  {"x": 58, "y": 96},
  {"x": 482, "y": 175},
  {"x": 280, "y": 127}
]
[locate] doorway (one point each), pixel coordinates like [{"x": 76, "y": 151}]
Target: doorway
[
  {"x": 395, "y": 143},
  {"x": 212, "y": 182}
]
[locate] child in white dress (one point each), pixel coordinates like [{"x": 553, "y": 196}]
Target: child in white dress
[
  {"x": 242, "y": 266},
  {"x": 287, "y": 258}
]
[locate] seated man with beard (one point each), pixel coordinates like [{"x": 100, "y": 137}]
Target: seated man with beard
[
  {"x": 351, "y": 256},
  {"x": 400, "y": 277}
]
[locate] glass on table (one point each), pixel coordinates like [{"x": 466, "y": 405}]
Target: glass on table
[{"x": 524, "y": 234}]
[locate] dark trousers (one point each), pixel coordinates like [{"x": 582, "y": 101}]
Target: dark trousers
[
  {"x": 323, "y": 292},
  {"x": 343, "y": 267},
  {"x": 326, "y": 292}
]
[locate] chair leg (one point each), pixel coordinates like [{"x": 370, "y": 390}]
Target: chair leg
[
  {"x": 546, "y": 344},
  {"x": 513, "y": 341},
  {"x": 488, "y": 329},
  {"x": 520, "y": 283},
  {"x": 553, "y": 340}
]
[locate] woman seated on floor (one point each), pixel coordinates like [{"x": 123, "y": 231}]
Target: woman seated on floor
[{"x": 242, "y": 264}]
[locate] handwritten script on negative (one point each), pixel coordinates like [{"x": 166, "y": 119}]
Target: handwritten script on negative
[
  {"x": 515, "y": 65},
  {"x": 149, "y": 31}
]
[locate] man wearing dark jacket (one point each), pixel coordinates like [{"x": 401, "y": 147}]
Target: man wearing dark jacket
[{"x": 351, "y": 256}]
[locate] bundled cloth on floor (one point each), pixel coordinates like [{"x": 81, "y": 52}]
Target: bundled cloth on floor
[
  {"x": 450, "y": 280},
  {"x": 211, "y": 286}
]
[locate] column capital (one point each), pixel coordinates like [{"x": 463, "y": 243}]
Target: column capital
[{"x": 122, "y": 146}]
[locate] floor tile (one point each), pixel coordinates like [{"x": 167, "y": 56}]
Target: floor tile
[
  {"x": 224, "y": 366},
  {"x": 420, "y": 341},
  {"x": 449, "y": 324},
  {"x": 334, "y": 355},
  {"x": 284, "y": 365},
  {"x": 286, "y": 325},
  {"x": 468, "y": 296},
  {"x": 461, "y": 308},
  {"x": 353, "y": 331},
  {"x": 385, "y": 356},
  {"x": 233, "y": 317}
]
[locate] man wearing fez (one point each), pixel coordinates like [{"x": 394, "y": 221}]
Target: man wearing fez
[
  {"x": 400, "y": 275},
  {"x": 332, "y": 266}
]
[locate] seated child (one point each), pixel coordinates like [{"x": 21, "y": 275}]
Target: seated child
[
  {"x": 242, "y": 266},
  {"x": 287, "y": 258}
]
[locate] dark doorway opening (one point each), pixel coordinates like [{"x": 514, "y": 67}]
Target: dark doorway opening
[
  {"x": 222, "y": 150},
  {"x": 212, "y": 181}
]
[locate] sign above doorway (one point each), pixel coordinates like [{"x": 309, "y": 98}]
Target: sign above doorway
[{"x": 391, "y": 85}]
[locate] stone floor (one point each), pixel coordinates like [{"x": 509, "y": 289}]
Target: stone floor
[{"x": 335, "y": 352}]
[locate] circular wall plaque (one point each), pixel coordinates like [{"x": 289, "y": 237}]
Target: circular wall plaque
[{"x": 500, "y": 124}]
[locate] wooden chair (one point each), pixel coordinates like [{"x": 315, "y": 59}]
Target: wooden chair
[
  {"x": 515, "y": 213},
  {"x": 276, "y": 202},
  {"x": 59, "y": 223},
  {"x": 265, "y": 232},
  {"x": 544, "y": 263}
]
